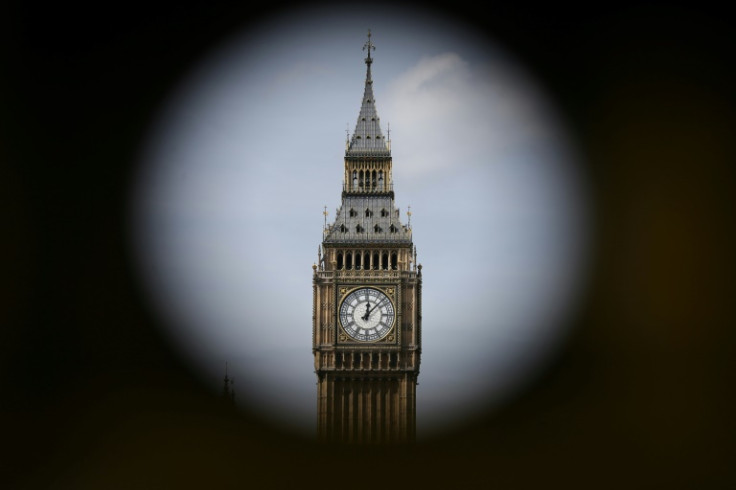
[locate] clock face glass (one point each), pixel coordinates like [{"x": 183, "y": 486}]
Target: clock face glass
[{"x": 367, "y": 314}]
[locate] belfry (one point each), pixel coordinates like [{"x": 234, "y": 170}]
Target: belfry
[{"x": 366, "y": 335}]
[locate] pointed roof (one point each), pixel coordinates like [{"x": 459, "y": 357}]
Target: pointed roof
[
  {"x": 368, "y": 219},
  {"x": 367, "y": 138}
]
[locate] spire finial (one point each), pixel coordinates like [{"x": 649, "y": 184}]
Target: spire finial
[
  {"x": 324, "y": 230},
  {"x": 369, "y": 46}
]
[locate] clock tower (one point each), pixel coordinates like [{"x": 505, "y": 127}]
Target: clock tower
[{"x": 367, "y": 299}]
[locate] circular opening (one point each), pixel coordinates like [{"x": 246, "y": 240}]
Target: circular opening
[{"x": 499, "y": 207}]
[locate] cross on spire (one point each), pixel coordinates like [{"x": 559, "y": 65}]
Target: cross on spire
[{"x": 369, "y": 46}]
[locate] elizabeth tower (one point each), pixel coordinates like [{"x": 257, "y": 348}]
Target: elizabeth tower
[{"x": 367, "y": 299}]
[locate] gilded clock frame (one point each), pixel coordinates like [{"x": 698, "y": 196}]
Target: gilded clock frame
[{"x": 392, "y": 338}]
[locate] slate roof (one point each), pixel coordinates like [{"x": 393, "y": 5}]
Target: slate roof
[
  {"x": 380, "y": 224},
  {"x": 367, "y": 138}
]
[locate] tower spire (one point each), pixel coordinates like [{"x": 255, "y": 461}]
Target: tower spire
[
  {"x": 227, "y": 390},
  {"x": 367, "y": 137}
]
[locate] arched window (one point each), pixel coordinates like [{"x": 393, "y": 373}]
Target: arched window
[
  {"x": 380, "y": 180},
  {"x": 375, "y": 261},
  {"x": 384, "y": 213},
  {"x": 384, "y": 261},
  {"x": 358, "y": 260},
  {"x": 355, "y": 180},
  {"x": 377, "y": 229},
  {"x": 343, "y": 228},
  {"x": 368, "y": 213},
  {"x": 359, "y": 229},
  {"x": 349, "y": 261},
  {"x": 339, "y": 261},
  {"x": 393, "y": 261},
  {"x": 393, "y": 229},
  {"x": 373, "y": 180},
  {"x": 360, "y": 179},
  {"x": 353, "y": 213}
]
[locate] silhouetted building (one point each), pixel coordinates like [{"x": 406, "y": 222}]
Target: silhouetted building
[{"x": 228, "y": 392}]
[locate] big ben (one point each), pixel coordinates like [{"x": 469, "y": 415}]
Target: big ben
[{"x": 367, "y": 299}]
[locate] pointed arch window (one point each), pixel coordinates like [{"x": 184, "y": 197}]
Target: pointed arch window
[
  {"x": 377, "y": 229},
  {"x": 353, "y": 213},
  {"x": 384, "y": 213},
  {"x": 393, "y": 229},
  {"x": 368, "y": 213},
  {"x": 349, "y": 260},
  {"x": 359, "y": 229},
  {"x": 343, "y": 228}
]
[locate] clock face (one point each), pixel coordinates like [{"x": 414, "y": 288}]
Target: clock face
[{"x": 367, "y": 314}]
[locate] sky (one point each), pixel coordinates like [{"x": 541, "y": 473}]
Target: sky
[{"x": 248, "y": 149}]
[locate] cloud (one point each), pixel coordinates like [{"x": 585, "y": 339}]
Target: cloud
[{"x": 444, "y": 105}]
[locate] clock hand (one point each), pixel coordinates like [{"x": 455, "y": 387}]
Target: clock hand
[{"x": 367, "y": 311}]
